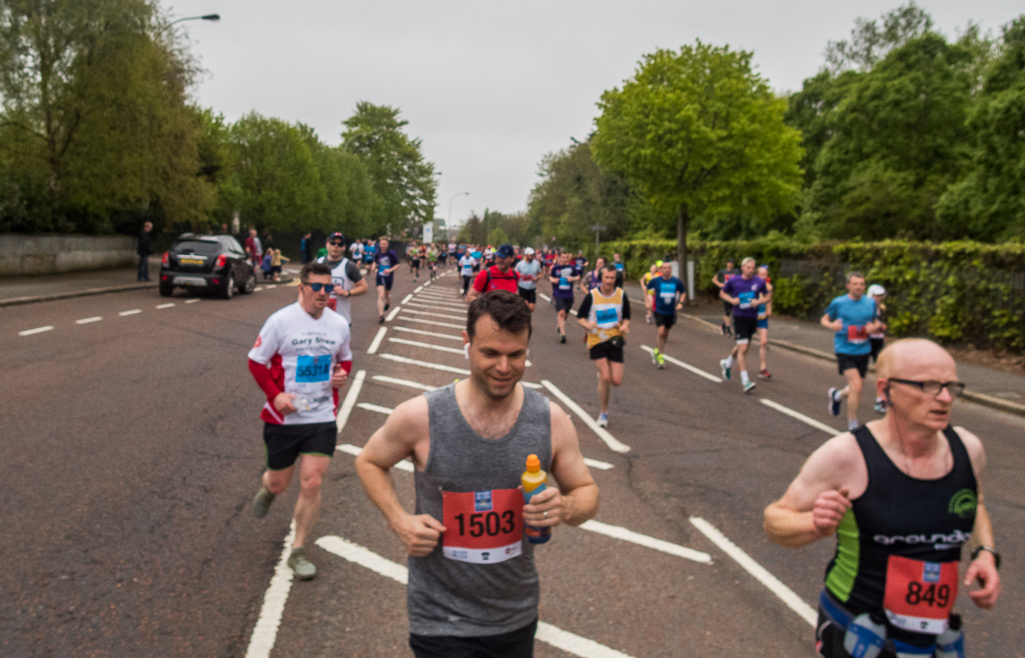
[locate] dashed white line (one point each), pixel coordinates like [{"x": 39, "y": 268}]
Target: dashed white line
[
  {"x": 95, "y": 318},
  {"x": 405, "y": 300},
  {"x": 558, "y": 638},
  {"x": 440, "y": 306},
  {"x": 427, "y": 284},
  {"x": 376, "y": 408},
  {"x": 404, "y": 465},
  {"x": 377, "y": 340},
  {"x": 429, "y": 333},
  {"x": 257, "y": 288},
  {"x": 544, "y": 296},
  {"x": 191, "y": 301},
  {"x": 271, "y": 286},
  {"x": 686, "y": 366},
  {"x": 418, "y": 289},
  {"x": 594, "y": 463},
  {"x": 787, "y": 595},
  {"x": 425, "y": 364},
  {"x": 266, "y": 630},
  {"x": 435, "y": 315},
  {"x": 603, "y": 434},
  {"x": 394, "y": 312},
  {"x": 134, "y": 311},
  {"x": 435, "y": 323},
  {"x": 37, "y": 330},
  {"x": 403, "y": 382},
  {"x": 619, "y": 532},
  {"x": 832, "y": 431},
  {"x": 350, "y": 400},
  {"x": 414, "y": 343},
  {"x": 163, "y": 306}
]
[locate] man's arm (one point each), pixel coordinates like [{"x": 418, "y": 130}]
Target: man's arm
[
  {"x": 584, "y": 311},
  {"x": 831, "y": 324},
  {"x": 360, "y": 285},
  {"x": 983, "y": 569},
  {"x": 575, "y": 500},
  {"x": 477, "y": 287}
]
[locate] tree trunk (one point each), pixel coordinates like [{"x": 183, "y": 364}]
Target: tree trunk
[{"x": 682, "y": 221}]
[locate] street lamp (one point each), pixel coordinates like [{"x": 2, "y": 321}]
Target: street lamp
[
  {"x": 207, "y": 17},
  {"x": 597, "y": 228},
  {"x": 449, "y": 225}
]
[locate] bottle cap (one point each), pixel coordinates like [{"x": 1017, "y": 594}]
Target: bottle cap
[{"x": 533, "y": 464}]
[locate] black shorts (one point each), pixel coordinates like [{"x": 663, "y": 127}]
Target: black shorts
[
  {"x": 284, "y": 443},
  {"x": 877, "y": 347},
  {"x": 514, "y": 644},
  {"x": 610, "y": 349},
  {"x": 563, "y": 304},
  {"x": 527, "y": 295},
  {"x": 385, "y": 281},
  {"x": 744, "y": 328},
  {"x": 727, "y": 309},
  {"x": 663, "y": 320},
  {"x": 848, "y": 361}
]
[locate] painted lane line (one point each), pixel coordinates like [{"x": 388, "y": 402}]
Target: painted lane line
[
  {"x": 619, "y": 532},
  {"x": 787, "y": 595},
  {"x": 443, "y": 368},
  {"x": 414, "y": 343},
  {"x": 418, "y": 289},
  {"x": 439, "y": 306},
  {"x": 134, "y": 311},
  {"x": 271, "y": 286},
  {"x": 832, "y": 431},
  {"x": 436, "y": 315},
  {"x": 405, "y": 300},
  {"x": 594, "y": 463},
  {"x": 403, "y": 382},
  {"x": 429, "y": 333},
  {"x": 427, "y": 284},
  {"x": 393, "y": 313},
  {"x": 404, "y": 465},
  {"x": 266, "y": 630},
  {"x": 257, "y": 288},
  {"x": 377, "y": 340},
  {"x": 95, "y": 318},
  {"x": 376, "y": 408},
  {"x": 558, "y": 638},
  {"x": 350, "y": 400},
  {"x": 602, "y": 433},
  {"x": 544, "y": 297},
  {"x": 37, "y": 330},
  {"x": 192, "y": 301},
  {"x": 437, "y": 324},
  {"x": 163, "y": 306},
  {"x": 686, "y": 366},
  {"x": 437, "y": 294}
]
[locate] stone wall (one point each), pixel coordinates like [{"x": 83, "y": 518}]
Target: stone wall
[{"x": 51, "y": 254}]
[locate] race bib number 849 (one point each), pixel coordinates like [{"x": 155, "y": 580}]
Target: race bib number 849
[{"x": 482, "y": 527}]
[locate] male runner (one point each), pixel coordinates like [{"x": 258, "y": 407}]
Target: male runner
[
  {"x": 345, "y": 275},
  {"x": 386, "y": 261},
  {"x": 902, "y": 494},
  {"x": 670, "y": 294},
  {"x": 300, "y": 360},
  {"x": 605, "y": 314},
  {"x": 432, "y": 261},
  {"x": 466, "y": 265},
  {"x": 499, "y": 276},
  {"x": 853, "y": 317},
  {"x": 745, "y": 293},
  {"x": 720, "y": 279},
  {"x": 649, "y": 296},
  {"x": 620, "y": 270},
  {"x": 764, "y": 311},
  {"x": 562, "y": 276},
  {"x": 529, "y": 270},
  {"x": 477, "y": 593}
]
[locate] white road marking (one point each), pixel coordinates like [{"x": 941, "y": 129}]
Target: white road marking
[
  {"x": 271, "y": 286},
  {"x": 375, "y": 408},
  {"x": 134, "y": 311},
  {"x": 544, "y": 296},
  {"x": 266, "y": 630},
  {"x": 602, "y": 433},
  {"x": 257, "y": 288},
  {"x": 404, "y": 465},
  {"x": 558, "y": 638},
  {"x": 418, "y": 289},
  {"x": 162, "y": 306},
  {"x": 350, "y": 400},
  {"x": 686, "y": 366},
  {"x": 405, "y": 300},
  {"x": 393, "y": 313},
  {"x": 832, "y": 431},
  {"x": 414, "y": 343},
  {"x": 377, "y": 340},
  {"x": 439, "y": 306},
  {"x": 191, "y": 301},
  {"x": 594, "y": 463},
  {"x": 429, "y": 333},
  {"x": 435, "y": 315},
  {"x": 787, "y": 595},
  {"x": 437, "y": 324},
  {"x": 619, "y": 532},
  {"x": 95, "y": 318},
  {"x": 403, "y": 382},
  {"x": 426, "y": 364},
  {"x": 427, "y": 284},
  {"x": 37, "y": 330}
]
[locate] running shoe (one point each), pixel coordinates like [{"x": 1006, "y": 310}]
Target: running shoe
[
  {"x": 387, "y": 306},
  {"x": 834, "y": 403},
  {"x": 603, "y": 419},
  {"x": 724, "y": 369},
  {"x": 654, "y": 357},
  {"x": 661, "y": 362},
  {"x": 648, "y": 319},
  {"x": 300, "y": 566},
  {"x": 261, "y": 503},
  {"x": 880, "y": 406},
  {"x": 382, "y": 320},
  {"x": 750, "y": 386},
  {"x": 562, "y": 339},
  {"x": 764, "y": 374}
]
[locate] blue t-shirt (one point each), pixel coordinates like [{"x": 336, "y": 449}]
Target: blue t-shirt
[
  {"x": 564, "y": 288},
  {"x": 386, "y": 260},
  {"x": 746, "y": 290},
  {"x": 852, "y": 339},
  {"x": 665, "y": 293}
]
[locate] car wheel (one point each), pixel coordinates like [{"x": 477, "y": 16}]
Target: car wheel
[
  {"x": 250, "y": 284},
  {"x": 166, "y": 290},
  {"x": 228, "y": 291}
]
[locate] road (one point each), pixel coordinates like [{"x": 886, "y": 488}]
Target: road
[{"x": 134, "y": 450}]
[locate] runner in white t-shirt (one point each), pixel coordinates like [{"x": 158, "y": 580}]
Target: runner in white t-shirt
[
  {"x": 529, "y": 269},
  {"x": 466, "y": 265},
  {"x": 345, "y": 274},
  {"x": 300, "y": 360}
]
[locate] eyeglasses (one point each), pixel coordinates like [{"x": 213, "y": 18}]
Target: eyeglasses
[
  {"x": 933, "y": 387},
  {"x": 316, "y": 287},
  {"x": 337, "y": 244}
]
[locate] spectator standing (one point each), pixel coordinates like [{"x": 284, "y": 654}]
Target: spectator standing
[
  {"x": 253, "y": 248},
  {"x": 306, "y": 248},
  {"x": 144, "y": 249}
]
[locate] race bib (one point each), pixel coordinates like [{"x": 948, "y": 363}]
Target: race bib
[
  {"x": 745, "y": 299},
  {"x": 526, "y": 277},
  {"x": 606, "y": 317},
  {"x": 668, "y": 297},
  {"x": 483, "y": 527},
  {"x": 856, "y": 334},
  {"x": 919, "y": 595},
  {"x": 312, "y": 369},
  {"x": 563, "y": 283}
]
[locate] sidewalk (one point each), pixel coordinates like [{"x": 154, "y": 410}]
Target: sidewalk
[{"x": 993, "y": 388}]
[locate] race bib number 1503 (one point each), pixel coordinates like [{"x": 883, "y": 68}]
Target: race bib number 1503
[{"x": 482, "y": 527}]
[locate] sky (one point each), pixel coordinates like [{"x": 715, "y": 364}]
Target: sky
[{"x": 490, "y": 87}]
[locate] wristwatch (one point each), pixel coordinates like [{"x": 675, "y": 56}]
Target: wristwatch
[{"x": 988, "y": 549}]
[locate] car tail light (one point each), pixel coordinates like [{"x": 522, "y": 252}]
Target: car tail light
[
  {"x": 166, "y": 260},
  {"x": 217, "y": 282},
  {"x": 222, "y": 260}
]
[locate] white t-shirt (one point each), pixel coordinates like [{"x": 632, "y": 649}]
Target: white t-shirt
[
  {"x": 528, "y": 273},
  {"x": 301, "y": 353},
  {"x": 467, "y": 263}
]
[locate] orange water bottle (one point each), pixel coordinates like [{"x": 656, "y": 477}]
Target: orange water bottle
[{"x": 534, "y": 481}]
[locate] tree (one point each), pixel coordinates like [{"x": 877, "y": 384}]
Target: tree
[
  {"x": 472, "y": 231},
  {"x": 870, "y": 43},
  {"x": 401, "y": 177},
  {"x": 702, "y": 136}
]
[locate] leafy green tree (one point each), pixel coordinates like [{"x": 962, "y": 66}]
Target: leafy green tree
[
  {"x": 472, "y": 231},
  {"x": 497, "y": 236},
  {"x": 870, "y": 42},
  {"x": 702, "y": 136}
]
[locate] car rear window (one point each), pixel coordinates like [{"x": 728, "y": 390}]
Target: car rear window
[{"x": 201, "y": 247}]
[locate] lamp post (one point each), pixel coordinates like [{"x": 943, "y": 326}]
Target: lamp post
[
  {"x": 207, "y": 17},
  {"x": 597, "y": 228},
  {"x": 448, "y": 226}
]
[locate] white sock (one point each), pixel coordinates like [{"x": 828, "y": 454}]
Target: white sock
[
  {"x": 743, "y": 378},
  {"x": 852, "y": 424},
  {"x": 729, "y": 361}
]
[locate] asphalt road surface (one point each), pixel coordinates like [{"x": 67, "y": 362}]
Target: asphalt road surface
[{"x": 133, "y": 450}]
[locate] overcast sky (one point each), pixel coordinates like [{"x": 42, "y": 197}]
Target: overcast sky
[{"x": 491, "y": 87}]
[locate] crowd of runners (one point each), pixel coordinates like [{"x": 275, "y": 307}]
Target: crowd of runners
[{"x": 901, "y": 493}]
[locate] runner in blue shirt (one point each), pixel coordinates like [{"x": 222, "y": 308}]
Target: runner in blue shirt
[
  {"x": 562, "y": 276},
  {"x": 386, "y": 261},
  {"x": 745, "y": 293},
  {"x": 669, "y": 294},
  {"x": 853, "y": 317}
]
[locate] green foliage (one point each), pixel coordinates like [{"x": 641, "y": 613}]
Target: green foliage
[
  {"x": 870, "y": 42},
  {"x": 497, "y": 236}
]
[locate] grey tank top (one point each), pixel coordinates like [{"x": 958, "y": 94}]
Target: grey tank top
[{"x": 450, "y": 597}]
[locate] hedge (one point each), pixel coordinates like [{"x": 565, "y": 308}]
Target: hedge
[{"x": 952, "y": 292}]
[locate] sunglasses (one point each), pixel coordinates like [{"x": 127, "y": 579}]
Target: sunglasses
[
  {"x": 933, "y": 387},
  {"x": 316, "y": 287},
  {"x": 337, "y": 244}
]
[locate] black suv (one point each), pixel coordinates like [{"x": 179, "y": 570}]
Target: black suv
[{"x": 207, "y": 262}]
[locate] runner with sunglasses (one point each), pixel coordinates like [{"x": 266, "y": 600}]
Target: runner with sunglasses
[{"x": 345, "y": 275}]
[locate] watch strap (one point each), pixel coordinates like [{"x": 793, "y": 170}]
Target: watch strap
[{"x": 990, "y": 550}]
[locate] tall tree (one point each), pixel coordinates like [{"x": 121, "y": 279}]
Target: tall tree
[
  {"x": 871, "y": 41},
  {"x": 702, "y": 135}
]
